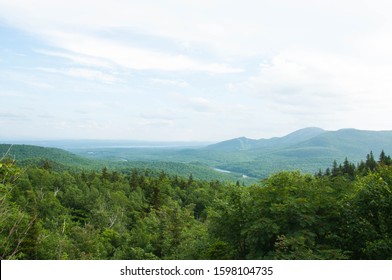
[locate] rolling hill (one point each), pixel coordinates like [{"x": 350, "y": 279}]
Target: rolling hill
[
  {"x": 308, "y": 150},
  {"x": 59, "y": 159},
  {"x": 27, "y": 153},
  {"x": 243, "y": 143}
]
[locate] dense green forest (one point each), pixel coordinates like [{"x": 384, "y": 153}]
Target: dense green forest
[{"x": 343, "y": 212}]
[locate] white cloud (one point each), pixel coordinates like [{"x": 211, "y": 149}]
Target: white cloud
[
  {"x": 127, "y": 56},
  {"x": 78, "y": 59},
  {"x": 82, "y": 35},
  {"x": 313, "y": 78},
  {"x": 246, "y": 27},
  {"x": 84, "y": 73},
  {"x": 203, "y": 105},
  {"x": 322, "y": 62},
  {"x": 10, "y": 116},
  {"x": 40, "y": 84},
  {"x": 323, "y": 89},
  {"x": 167, "y": 82},
  {"x": 225, "y": 28},
  {"x": 10, "y": 94},
  {"x": 197, "y": 104}
]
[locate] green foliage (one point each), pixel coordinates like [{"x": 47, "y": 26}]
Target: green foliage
[
  {"x": 48, "y": 158},
  {"x": 47, "y": 213},
  {"x": 15, "y": 225}
]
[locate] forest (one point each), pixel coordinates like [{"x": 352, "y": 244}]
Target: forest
[{"x": 343, "y": 212}]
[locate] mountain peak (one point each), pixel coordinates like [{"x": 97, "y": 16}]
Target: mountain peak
[
  {"x": 236, "y": 144},
  {"x": 243, "y": 143},
  {"x": 308, "y": 130},
  {"x": 305, "y": 133}
]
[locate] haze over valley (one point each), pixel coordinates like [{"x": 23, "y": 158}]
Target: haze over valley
[{"x": 308, "y": 150}]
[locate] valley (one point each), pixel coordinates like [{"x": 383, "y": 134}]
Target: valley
[
  {"x": 246, "y": 160},
  {"x": 291, "y": 197}
]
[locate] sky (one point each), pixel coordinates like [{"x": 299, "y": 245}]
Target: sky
[{"x": 192, "y": 70}]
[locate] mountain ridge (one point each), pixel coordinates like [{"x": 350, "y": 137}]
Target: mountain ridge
[
  {"x": 26, "y": 153},
  {"x": 244, "y": 143},
  {"x": 295, "y": 137},
  {"x": 314, "y": 149},
  {"x": 308, "y": 150}
]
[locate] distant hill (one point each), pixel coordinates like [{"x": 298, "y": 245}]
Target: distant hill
[
  {"x": 307, "y": 149},
  {"x": 58, "y": 159},
  {"x": 351, "y": 143},
  {"x": 243, "y": 143},
  {"x": 237, "y": 144},
  {"x": 28, "y": 153},
  {"x": 297, "y": 136}
]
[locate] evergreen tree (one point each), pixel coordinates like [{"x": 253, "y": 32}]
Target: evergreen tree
[{"x": 370, "y": 162}]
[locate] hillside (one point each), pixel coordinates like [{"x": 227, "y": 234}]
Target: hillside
[
  {"x": 243, "y": 143},
  {"x": 237, "y": 144},
  {"x": 24, "y": 154},
  {"x": 350, "y": 142},
  {"x": 58, "y": 159},
  {"x": 307, "y": 150}
]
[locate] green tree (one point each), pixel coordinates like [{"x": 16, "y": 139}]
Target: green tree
[{"x": 15, "y": 224}]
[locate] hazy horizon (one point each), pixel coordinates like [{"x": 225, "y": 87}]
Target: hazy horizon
[
  {"x": 198, "y": 71},
  {"x": 138, "y": 142}
]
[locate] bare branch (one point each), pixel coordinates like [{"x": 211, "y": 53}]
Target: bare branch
[{"x": 6, "y": 153}]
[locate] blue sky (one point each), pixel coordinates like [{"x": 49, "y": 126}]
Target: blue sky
[{"x": 192, "y": 70}]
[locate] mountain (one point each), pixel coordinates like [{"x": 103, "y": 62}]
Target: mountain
[
  {"x": 308, "y": 150},
  {"x": 344, "y": 141},
  {"x": 243, "y": 143},
  {"x": 237, "y": 144},
  {"x": 300, "y": 135},
  {"x": 351, "y": 143}
]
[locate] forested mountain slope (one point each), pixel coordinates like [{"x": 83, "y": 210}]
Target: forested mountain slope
[
  {"x": 351, "y": 143},
  {"x": 348, "y": 141},
  {"x": 307, "y": 150},
  {"x": 27, "y": 153},
  {"x": 243, "y": 143}
]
